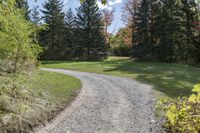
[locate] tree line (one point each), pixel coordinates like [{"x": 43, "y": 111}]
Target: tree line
[
  {"x": 27, "y": 35},
  {"x": 164, "y": 30},
  {"x": 66, "y": 35},
  {"x": 161, "y": 30}
]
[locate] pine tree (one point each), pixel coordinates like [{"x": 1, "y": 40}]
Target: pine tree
[
  {"x": 89, "y": 21},
  {"x": 168, "y": 29},
  {"x": 165, "y": 29},
  {"x": 70, "y": 19},
  {"x": 35, "y": 16},
  {"x": 190, "y": 15},
  {"x": 70, "y": 39},
  {"x": 52, "y": 38},
  {"x": 153, "y": 28},
  {"x": 23, "y": 4},
  {"x": 197, "y": 32},
  {"x": 142, "y": 29}
]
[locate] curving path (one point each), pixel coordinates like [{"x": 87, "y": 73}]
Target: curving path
[{"x": 107, "y": 104}]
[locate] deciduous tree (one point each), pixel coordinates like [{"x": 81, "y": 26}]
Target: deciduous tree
[
  {"x": 17, "y": 50},
  {"x": 23, "y": 4}
]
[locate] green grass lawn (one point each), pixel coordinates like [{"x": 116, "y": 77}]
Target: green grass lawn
[
  {"x": 32, "y": 99},
  {"x": 171, "y": 79},
  {"x": 55, "y": 87}
]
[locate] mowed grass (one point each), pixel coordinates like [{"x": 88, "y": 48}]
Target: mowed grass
[
  {"x": 171, "y": 79},
  {"x": 55, "y": 87},
  {"x": 37, "y": 97}
]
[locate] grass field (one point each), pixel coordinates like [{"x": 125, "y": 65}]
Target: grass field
[
  {"x": 56, "y": 88},
  {"x": 32, "y": 99},
  {"x": 171, "y": 79}
]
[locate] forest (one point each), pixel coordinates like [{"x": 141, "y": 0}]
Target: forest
[
  {"x": 157, "y": 30},
  {"x": 160, "y": 31}
]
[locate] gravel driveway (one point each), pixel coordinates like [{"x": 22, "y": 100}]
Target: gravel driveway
[{"x": 107, "y": 104}]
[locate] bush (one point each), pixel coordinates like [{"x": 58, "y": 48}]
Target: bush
[{"x": 183, "y": 114}]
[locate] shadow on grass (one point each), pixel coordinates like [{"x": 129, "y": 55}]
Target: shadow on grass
[
  {"x": 54, "y": 62},
  {"x": 171, "y": 79}
]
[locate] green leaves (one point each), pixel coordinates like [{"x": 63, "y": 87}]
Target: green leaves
[
  {"x": 183, "y": 114},
  {"x": 192, "y": 98},
  {"x": 196, "y": 88},
  {"x": 195, "y": 98},
  {"x": 17, "y": 47},
  {"x": 171, "y": 115}
]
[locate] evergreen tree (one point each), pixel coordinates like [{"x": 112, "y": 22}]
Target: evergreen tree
[
  {"x": 189, "y": 16},
  {"x": 197, "y": 32},
  {"x": 142, "y": 29},
  {"x": 52, "y": 38},
  {"x": 70, "y": 27},
  {"x": 35, "y": 16},
  {"x": 164, "y": 30},
  {"x": 153, "y": 27},
  {"x": 168, "y": 29},
  {"x": 70, "y": 19},
  {"x": 90, "y": 26}
]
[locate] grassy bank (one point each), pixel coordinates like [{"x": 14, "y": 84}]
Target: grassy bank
[
  {"x": 28, "y": 100},
  {"x": 171, "y": 79}
]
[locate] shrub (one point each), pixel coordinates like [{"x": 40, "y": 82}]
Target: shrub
[{"x": 183, "y": 114}]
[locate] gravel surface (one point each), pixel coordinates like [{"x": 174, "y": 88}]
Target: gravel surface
[{"x": 107, "y": 104}]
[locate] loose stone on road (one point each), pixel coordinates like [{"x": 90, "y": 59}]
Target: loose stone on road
[{"x": 107, "y": 104}]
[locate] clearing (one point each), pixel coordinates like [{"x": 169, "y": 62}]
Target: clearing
[{"x": 173, "y": 80}]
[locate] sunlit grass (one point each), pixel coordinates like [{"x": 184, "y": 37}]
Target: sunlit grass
[
  {"x": 171, "y": 79},
  {"x": 56, "y": 88}
]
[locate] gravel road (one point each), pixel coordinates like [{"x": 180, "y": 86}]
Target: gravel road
[{"x": 107, "y": 104}]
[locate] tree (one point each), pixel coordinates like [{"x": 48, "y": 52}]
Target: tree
[
  {"x": 70, "y": 19},
  {"x": 89, "y": 21},
  {"x": 17, "y": 48},
  {"x": 142, "y": 29},
  {"x": 129, "y": 12},
  {"x": 103, "y": 1},
  {"x": 23, "y": 4},
  {"x": 168, "y": 31},
  {"x": 52, "y": 37},
  {"x": 136, "y": 15},
  {"x": 164, "y": 29},
  {"x": 121, "y": 43},
  {"x": 190, "y": 15},
  {"x": 108, "y": 17},
  {"x": 70, "y": 37},
  {"x": 197, "y": 32},
  {"x": 35, "y": 16},
  {"x": 129, "y": 17}
]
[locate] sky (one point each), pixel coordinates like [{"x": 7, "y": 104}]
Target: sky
[{"x": 115, "y": 5}]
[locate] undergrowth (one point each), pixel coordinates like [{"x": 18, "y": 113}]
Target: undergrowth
[
  {"x": 182, "y": 114},
  {"x": 31, "y": 99}
]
